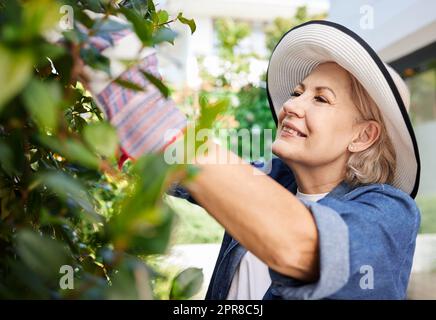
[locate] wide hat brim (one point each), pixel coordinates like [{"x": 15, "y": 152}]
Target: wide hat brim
[{"x": 306, "y": 46}]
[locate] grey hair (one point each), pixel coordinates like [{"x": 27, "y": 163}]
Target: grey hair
[{"x": 377, "y": 163}]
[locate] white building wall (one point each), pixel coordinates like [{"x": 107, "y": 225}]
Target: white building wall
[
  {"x": 399, "y": 28},
  {"x": 259, "y": 10}
]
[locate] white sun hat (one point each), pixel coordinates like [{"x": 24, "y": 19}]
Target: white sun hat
[{"x": 306, "y": 46}]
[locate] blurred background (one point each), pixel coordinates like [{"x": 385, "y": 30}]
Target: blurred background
[{"x": 228, "y": 56}]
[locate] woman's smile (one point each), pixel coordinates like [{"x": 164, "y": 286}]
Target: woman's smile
[{"x": 290, "y": 130}]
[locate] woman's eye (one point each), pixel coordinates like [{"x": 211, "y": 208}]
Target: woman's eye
[
  {"x": 321, "y": 99},
  {"x": 295, "y": 94}
]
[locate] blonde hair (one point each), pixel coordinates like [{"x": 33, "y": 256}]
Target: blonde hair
[{"x": 377, "y": 163}]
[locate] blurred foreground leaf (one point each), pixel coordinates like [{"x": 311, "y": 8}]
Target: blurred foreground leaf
[
  {"x": 42, "y": 101},
  {"x": 42, "y": 255},
  {"x": 16, "y": 69},
  {"x": 102, "y": 137},
  {"x": 186, "y": 284}
]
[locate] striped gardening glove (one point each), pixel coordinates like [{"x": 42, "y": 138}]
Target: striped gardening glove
[{"x": 142, "y": 119}]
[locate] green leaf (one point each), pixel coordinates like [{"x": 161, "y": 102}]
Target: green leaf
[
  {"x": 162, "y": 16},
  {"x": 189, "y": 22},
  {"x": 40, "y": 16},
  {"x": 66, "y": 188},
  {"x": 42, "y": 101},
  {"x": 102, "y": 137},
  {"x": 16, "y": 69},
  {"x": 71, "y": 149},
  {"x": 150, "y": 186},
  {"x": 6, "y": 159},
  {"x": 186, "y": 284},
  {"x": 210, "y": 111},
  {"x": 143, "y": 28},
  {"x": 154, "y": 17},
  {"x": 94, "y": 5},
  {"x": 129, "y": 85},
  {"x": 151, "y": 7},
  {"x": 42, "y": 255},
  {"x": 142, "y": 232},
  {"x": 164, "y": 34},
  {"x": 140, "y": 6},
  {"x": 157, "y": 83},
  {"x": 131, "y": 281},
  {"x": 105, "y": 26},
  {"x": 79, "y": 108},
  {"x": 79, "y": 123},
  {"x": 13, "y": 159},
  {"x": 82, "y": 16},
  {"x": 7, "y": 197},
  {"x": 47, "y": 219},
  {"x": 150, "y": 231},
  {"x": 93, "y": 58},
  {"x": 144, "y": 223}
]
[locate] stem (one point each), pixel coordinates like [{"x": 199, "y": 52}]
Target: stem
[{"x": 168, "y": 22}]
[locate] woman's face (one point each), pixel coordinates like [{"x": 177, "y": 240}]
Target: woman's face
[{"x": 317, "y": 123}]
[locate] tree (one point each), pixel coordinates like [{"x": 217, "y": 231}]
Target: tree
[{"x": 281, "y": 25}]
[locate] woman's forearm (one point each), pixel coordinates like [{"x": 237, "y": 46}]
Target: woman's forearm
[{"x": 263, "y": 216}]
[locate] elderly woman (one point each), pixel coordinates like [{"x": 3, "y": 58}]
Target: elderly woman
[{"x": 335, "y": 218}]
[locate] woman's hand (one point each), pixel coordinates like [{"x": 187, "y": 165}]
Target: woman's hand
[{"x": 141, "y": 117}]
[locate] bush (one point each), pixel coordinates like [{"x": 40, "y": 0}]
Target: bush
[{"x": 71, "y": 224}]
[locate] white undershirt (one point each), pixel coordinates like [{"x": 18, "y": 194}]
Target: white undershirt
[{"x": 252, "y": 279}]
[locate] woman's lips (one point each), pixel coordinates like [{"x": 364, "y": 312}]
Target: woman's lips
[
  {"x": 287, "y": 131},
  {"x": 292, "y": 129}
]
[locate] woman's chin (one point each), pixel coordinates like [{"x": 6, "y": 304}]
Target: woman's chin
[{"x": 284, "y": 149}]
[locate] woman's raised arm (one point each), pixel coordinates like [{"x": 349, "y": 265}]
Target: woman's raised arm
[{"x": 264, "y": 217}]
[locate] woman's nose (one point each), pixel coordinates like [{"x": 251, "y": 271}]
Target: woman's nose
[{"x": 294, "y": 107}]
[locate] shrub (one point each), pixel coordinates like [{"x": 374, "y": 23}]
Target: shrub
[{"x": 66, "y": 210}]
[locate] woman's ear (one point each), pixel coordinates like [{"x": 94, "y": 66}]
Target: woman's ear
[{"x": 367, "y": 133}]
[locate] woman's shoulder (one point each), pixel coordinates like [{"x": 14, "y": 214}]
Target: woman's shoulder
[
  {"x": 379, "y": 200},
  {"x": 379, "y": 191}
]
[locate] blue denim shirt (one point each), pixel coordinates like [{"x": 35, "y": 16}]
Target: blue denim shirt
[{"x": 366, "y": 243}]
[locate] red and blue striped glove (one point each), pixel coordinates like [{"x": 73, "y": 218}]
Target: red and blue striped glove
[{"x": 142, "y": 119}]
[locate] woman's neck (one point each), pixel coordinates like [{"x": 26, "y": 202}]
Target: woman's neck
[{"x": 316, "y": 180}]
